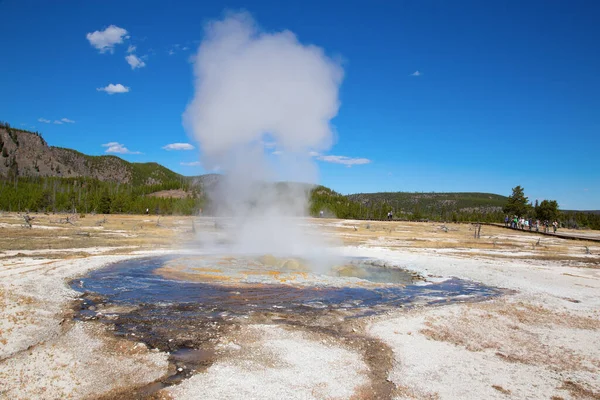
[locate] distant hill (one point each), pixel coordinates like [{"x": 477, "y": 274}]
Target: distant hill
[
  {"x": 207, "y": 181},
  {"x": 595, "y": 212},
  {"x": 210, "y": 182},
  {"x": 26, "y": 154},
  {"x": 433, "y": 203}
]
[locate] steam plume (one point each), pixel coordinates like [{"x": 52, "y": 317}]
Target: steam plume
[{"x": 253, "y": 87}]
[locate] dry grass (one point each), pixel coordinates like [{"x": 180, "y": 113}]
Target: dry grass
[
  {"x": 52, "y": 232},
  {"x": 450, "y": 236},
  {"x": 458, "y": 240},
  {"x": 148, "y": 231},
  {"x": 406, "y": 392},
  {"x": 579, "y": 391},
  {"x": 501, "y": 389}
]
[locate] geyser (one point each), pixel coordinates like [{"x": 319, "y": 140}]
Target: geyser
[{"x": 263, "y": 101}]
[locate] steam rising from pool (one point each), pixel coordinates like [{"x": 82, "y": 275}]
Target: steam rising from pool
[{"x": 263, "y": 102}]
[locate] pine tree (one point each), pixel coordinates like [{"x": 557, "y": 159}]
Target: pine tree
[
  {"x": 517, "y": 203},
  {"x": 105, "y": 202},
  {"x": 547, "y": 210}
]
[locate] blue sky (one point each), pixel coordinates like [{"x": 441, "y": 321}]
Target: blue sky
[{"x": 507, "y": 92}]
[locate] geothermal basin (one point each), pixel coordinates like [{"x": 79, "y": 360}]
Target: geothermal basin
[
  {"x": 189, "y": 305},
  {"x": 186, "y": 304}
]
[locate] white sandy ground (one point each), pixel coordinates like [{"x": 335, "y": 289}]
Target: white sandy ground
[
  {"x": 42, "y": 356},
  {"x": 562, "y": 343},
  {"x": 524, "y": 345},
  {"x": 275, "y": 363}
]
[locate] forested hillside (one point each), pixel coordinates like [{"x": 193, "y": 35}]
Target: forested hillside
[
  {"x": 450, "y": 207},
  {"x": 38, "y": 177},
  {"x": 435, "y": 206}
]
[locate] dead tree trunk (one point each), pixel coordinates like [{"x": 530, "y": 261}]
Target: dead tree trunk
[
  {"x": 27, "y": 219},
  {"x": 477, "y": 231}
]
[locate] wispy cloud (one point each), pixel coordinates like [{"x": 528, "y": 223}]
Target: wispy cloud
[
  {"x": 416, "y": 73},
  {"x": 106, "y": 40},
  {"x": 118, "y": 148},
  {"x": 112, "y": 89},
  {"x": 176, "y": 48},
  {"x": 134, "y": 61},
  {"x": 131, "y": 48},
  {"x": 348, "y": 161},
  {"x": 191, "y": 164},
  {"x": 178, "y": 146},
  {"x": 277, "y": 152},
  {"x": 269, "y": 144},
  {"x": 344, "y": 160},
  {"x": 56, "y": 121}
]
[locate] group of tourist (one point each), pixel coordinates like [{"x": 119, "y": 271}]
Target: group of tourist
[{"x": 529, "y": 224}]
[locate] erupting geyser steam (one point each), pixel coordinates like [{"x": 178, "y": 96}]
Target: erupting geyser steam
[{"x": 259, "y": 93}]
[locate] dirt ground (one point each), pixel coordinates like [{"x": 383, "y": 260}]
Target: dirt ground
[{"x": 540, "y": 341}]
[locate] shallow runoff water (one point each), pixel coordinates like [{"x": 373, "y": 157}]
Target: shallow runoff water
[{"x": 362, "y": 287}]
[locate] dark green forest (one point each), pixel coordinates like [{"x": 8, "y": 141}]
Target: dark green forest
[
  {"x": 455, "y": 207},
  {"x": 84, "y": 195}
]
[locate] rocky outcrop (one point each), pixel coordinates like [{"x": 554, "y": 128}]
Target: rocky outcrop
[{"x": 26, "y": 154}]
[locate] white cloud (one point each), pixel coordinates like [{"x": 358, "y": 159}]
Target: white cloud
[
  {"x": 178, "y": 146},
  {"x": 416, "y": 73},
  {"x": 57, "y": 122},
  {"x": 277, "y": 152},
  {"x": 131, "y": 48},
  {"x": 112, "y": 89},
  {"x": 134, "y": 61},
  {"x": 347, "y": 161},
  {"x": 118, "y": 148},
  {"x": 107, "y": 39},
  {"x": 170, "y": 52},
  {"x": 191, "y": 164}
]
